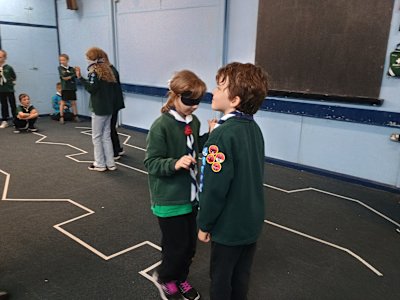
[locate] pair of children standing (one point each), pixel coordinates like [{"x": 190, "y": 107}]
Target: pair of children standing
[
  {"x": 232, "y": 158},
  {"x": 106, "y": 99}
]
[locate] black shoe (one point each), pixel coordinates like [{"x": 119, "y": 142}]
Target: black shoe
[
  {"x": 16, "y": 130},
  {"x": 32, "y": 128},
  {"x": 188, "y": 292}
]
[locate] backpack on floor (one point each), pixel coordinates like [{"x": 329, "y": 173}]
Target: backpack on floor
[{"x": 394, "y": 63}]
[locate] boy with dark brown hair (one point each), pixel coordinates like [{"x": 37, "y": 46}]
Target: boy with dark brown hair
[{"x": 231, "y": 212}]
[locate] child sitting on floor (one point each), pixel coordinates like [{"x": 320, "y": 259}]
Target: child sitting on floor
[
  {"x": 26, "y": 115},
  {"x": 55, "y": 102}
]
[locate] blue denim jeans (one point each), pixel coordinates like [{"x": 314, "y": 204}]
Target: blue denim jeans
[{"x": 101, "y": 137}]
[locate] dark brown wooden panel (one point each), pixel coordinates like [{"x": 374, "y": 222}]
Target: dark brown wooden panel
[{"x": 327, "y": 47}]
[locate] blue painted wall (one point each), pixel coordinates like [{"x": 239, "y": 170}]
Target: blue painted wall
[{"x": 28, "y": 33}]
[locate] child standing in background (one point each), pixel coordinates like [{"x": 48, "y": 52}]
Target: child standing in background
[
  {"x": 26, "y": 115},
  {"x": 7, "y": 82},
  {"x": 231, "y": 212},
  {"x": 171, "y": 160},
  {"x": 55, "y": 103},
  {"x": 101, "y": 84},
  {"x": 68, "y": 86},
  {"x": 119, "y": 104}
]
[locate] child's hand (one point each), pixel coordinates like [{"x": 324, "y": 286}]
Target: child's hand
[
  {"x": 211, "y": 124},
  {"x": 203, "y": 236},
  {"x": 78, "y": 71},
  {"x": 185, "y": 162}
]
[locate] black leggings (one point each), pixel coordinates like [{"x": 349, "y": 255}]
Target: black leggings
[
  {"x": 114, "y": 134},
  {"x": 5, "y": 98},
  {"x": 179, "y": 237}
]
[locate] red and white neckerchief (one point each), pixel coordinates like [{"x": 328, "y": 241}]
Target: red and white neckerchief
[{"x": 190, "y": 151}]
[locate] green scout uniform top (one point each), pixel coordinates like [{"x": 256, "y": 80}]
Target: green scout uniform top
[
  {"x": 70, "y": 84},
  {"x": 119, "y": 97},
  {"x": 103, "y": 94},
  {"x": 166, "y": 143},
  {"x": 10, "y": 77},
  {"x": 231, "y": 206}
]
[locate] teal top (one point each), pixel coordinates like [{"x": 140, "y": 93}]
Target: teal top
[{"x": 231, "y": 206}]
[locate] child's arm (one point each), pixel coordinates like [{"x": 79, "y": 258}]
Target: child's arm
[
  {"x": 55, "y": 103},
  {"x": 203, "y": 138},
  {"x": 33, "y": 114},
  {"x": 156, "y": 161},
  {"x": 215, "y": 184},
  {"x": 13, "y": 76},
  {"x": 22, "y": 116},
  {"x": 64, "y": 75},
  {"x": 91, "y": 84},
  {"x": 71, "y": 75},
  {"x": 27, "y": 116},
  {"x": 204, "y": 236}
]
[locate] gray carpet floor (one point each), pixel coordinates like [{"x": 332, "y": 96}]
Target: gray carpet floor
[{"x": 70, "y": 233}]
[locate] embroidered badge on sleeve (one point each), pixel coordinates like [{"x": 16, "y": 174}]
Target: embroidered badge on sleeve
[{"x": 215, "y": 158}]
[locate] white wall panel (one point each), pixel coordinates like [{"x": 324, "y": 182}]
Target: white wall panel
[
  {"x": 174, "y": 4},
  {"x": 130, "y": 6},
  {"x": 40, "y": 12},
  {"x": 152, "y": 45},
  {"x": 141, "y": 111},
  {"x": 281, "y": 134},
  {"x": 33, "y": 53},
  {"x": 89, "y": 26},
  {"x": 359, "y": 150}
]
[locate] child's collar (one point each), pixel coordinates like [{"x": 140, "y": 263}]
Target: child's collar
[{"x": 179, "y": 118}]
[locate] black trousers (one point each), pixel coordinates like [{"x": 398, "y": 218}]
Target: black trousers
[
  {"x": 5, "y": 99},
  {"x": 21, "y": 124},
  {"x": 68, "y": 116},
  {"x": 230, "y": 271},
  {"x": 114, "y": 134},
  {"x": 179, "y": 237}
]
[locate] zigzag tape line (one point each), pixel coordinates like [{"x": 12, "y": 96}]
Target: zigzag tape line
[
  {"x": 67, "y": 233},
  {"x": 145, "y": 271}
]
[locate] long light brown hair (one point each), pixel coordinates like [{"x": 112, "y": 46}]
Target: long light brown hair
[
  {"x": 101, "y": 66},
  {"x": 184, "y": 82}
]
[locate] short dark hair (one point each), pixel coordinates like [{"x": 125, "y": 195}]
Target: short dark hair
[
  {"x": 4, "y": 52},
  {"x": 64, "y": 55},
  {"x": 247, "y": 81},
  {"x": 22, "y": 96}
]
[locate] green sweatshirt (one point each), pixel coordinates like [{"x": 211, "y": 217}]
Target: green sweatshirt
[
  {"x": 103, "y": 94},
  {"x": 9, "y": 74},
  {"x": 232, "y": 196},
  {"x": 70, "y": 84},
  {"x": 166, "y": 143}
]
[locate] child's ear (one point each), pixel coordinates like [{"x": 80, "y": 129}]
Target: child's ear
[{"x": 235, "y": 102}]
